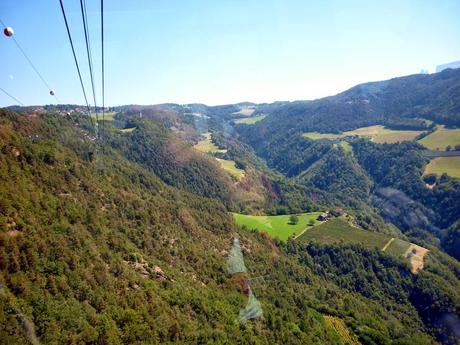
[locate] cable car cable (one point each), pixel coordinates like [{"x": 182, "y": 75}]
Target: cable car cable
[
  {"x": 103, "y": 73},
  {"x": 76, "y": 61},
  {"x": 12, "y": 97},
  {"x": 89, "y": 55},
  {"x": 32, "y": 65}
]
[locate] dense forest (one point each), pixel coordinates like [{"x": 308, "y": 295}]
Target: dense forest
[{"x": 119, "y": 248}]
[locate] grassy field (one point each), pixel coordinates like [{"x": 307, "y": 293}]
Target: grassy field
[
  {"x": 441, "y": 138},
  {"x": 245, "y": 112},
  {"x": 107, "y": 116},
  {"x": 378, "y": 134},
  {"x": 277, "y": 226},
  {"x": 206, "y": 145},
  {"x": 230, "y": 166},
  {"x": 250, "y": 120},
  {"x": 440, "y": 165},
  {"x": 337, "y": 229}
]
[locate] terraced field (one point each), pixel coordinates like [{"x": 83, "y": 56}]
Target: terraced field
[
  {"x": 337, "y": 230},
  {"x": 397, "y": 247},
  {"x": 277, "y": 226},
  {"x": 377, "y": 133}
]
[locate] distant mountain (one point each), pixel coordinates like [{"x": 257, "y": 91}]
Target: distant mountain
[
  {"x": 435, "y": 97},
  {"x": 455, "y": 64}
]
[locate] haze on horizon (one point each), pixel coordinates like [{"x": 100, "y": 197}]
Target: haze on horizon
[{"x": 218, "y": 52}]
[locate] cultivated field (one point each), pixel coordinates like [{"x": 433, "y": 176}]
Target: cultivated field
[
  {"x": 250, "y": 120},
  {"x": 277, "y": 226},
  {"x": 337, "y": 229},
  {"x": 397, "y": 247},
  {"x": 378, "y": 134},
  {"x": 441, "y": 138},
  {"x": 441, "y": 165}
]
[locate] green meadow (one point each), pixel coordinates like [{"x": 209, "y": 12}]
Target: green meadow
[{"x": 277, "y": 226}]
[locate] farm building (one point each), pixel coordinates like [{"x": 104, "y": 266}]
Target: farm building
[
  {"x": 323, "y": 216},
  {"x": 337, "y": 212}
]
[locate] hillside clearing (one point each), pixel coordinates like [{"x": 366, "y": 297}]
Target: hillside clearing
[
  {"x": 250, "y": 120},
  {"x": 441, "y": 165},
  {"x": 388, "y": 243},
  {"x": 230, "y": 166},
  {"x": 397, "y": 247},
  {"x": 206, "y": 145},
  {"x": 415, "y": 254},
  {"x": 441, "y": 138},
  {"x": 338, "y": 230},
  {"x": 277, "y": 226},
  {"x": 245, "y": 112},
  {"x": 377, "y": 133}
]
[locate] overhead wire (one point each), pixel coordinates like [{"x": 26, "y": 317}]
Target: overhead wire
[
  {"x": 76, "y": 61},
  {"x": 103, "y": 72},
  {"x": 90, "y": 58},
  {"x": 31, "y": 64},
  {"x": 12, "y": 97}
]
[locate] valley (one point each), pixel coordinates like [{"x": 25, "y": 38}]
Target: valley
[{"x": 132, "y": 233}]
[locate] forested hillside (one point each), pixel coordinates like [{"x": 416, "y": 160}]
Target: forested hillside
[
  {"x": 354, "y": 171},
  {"x": 433, "y": 96},
  {"x": 125, "y": 240}
]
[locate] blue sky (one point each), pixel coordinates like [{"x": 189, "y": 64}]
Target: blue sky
[{"x": 219, "y": 52}]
